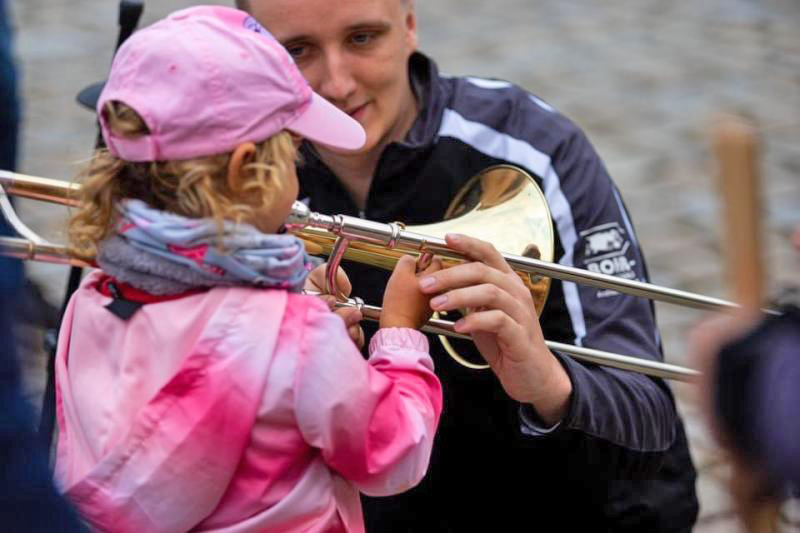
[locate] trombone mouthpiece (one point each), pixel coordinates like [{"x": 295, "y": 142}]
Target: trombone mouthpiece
[{"x": 299, "y": 216}]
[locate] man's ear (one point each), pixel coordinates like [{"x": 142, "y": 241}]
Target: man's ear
[
  {"x": 242, "y": 155},
  {"x": 411, "y": 26}
]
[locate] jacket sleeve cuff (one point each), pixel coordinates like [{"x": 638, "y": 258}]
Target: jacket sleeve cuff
[
  {"x": 532, "y": 425},
  {"x": 530, "y": 422},
  {"x": 403, "y": 338}
]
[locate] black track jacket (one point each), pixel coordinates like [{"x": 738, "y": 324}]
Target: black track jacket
[{"x": 619, "y": 460}]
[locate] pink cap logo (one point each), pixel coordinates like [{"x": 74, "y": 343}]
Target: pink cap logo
[{"x": 252, "y": 24}]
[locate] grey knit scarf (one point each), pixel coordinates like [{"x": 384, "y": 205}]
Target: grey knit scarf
[{"x": 163, "y": 253}]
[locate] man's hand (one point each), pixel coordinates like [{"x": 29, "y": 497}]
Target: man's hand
[
  {"x": 352, "y": 317},
  {"x": 503, "y": 324}
]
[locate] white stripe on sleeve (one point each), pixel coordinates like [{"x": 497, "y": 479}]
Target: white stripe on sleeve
[{"x": 502, "y": 146}]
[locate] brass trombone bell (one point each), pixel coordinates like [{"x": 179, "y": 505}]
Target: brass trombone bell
[
  {"x": 482, "y": 208},
  {"x": 502, "y": 205}
]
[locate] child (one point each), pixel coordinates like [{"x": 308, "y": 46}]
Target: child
[{"x": 195, "y": 388}]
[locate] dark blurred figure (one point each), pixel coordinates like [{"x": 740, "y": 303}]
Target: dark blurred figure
[
  {"x": 751, "y": 395},
  {"x": 9, "y": 111},
  {"x": 28, "y": 500},
  {"x": 34, "y": 308},
  {"x": 757, "y": 394},
  {"x": 9, "y": 119},
  {"x": 753, "y": 390}
]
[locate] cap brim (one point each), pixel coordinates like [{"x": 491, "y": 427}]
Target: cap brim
[
  {"x": 324, "y": 123},
  {"x": 89, "y": 96}
]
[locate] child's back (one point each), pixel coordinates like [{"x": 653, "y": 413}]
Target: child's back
[{"x": 236, "y": 408}]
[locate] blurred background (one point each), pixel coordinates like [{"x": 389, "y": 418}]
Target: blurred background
[{"x": 644, "y": 79}]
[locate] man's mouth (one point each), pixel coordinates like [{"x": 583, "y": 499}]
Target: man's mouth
[{"x": 357, "y": 112}]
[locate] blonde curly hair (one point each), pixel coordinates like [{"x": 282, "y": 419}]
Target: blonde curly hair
[{"x": 194, "y": 188}]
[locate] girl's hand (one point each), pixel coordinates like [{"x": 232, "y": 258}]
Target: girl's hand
[
  {"x": 404, "y": 304},
  {"x": 352, "y": 317}
]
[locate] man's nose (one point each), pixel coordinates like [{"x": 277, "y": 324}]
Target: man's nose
[{"x": 338, "y": 83}]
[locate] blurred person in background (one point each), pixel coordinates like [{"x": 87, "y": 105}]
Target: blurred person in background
[
  {"x": 28, "y": 500},
  {"x": 9, "y": 121},
  {"x": 545, "y": 439},
  {"x": 9, "y": 112},
  {"x": 750, "y": 393},
  {"x": 33, "y": 306}
]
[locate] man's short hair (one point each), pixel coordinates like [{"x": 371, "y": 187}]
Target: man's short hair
[{"x": 244, "y": 5}]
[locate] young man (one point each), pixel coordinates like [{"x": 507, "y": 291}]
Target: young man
[{"x": 544, "y": 438}]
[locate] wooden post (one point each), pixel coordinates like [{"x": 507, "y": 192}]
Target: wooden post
[
  {"x": 736, "y": 150},
  {"x": 736, "y": 147}
]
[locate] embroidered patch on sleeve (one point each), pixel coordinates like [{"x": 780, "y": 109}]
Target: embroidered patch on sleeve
[{"x": 605, "y": 249}]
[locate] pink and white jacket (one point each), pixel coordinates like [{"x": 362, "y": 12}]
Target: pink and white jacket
[{"x": 236, "y": 409}]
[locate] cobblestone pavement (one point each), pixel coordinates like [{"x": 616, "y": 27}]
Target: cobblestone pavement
[{"x": 644, "y": 79}]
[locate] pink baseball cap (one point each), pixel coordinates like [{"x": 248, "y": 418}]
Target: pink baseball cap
[{"x": 208, "y": 78}]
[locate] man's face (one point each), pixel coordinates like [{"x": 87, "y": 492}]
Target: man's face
[{"x": 355, "y": 54}]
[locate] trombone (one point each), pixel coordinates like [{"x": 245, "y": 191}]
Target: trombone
[{"x": 482, "y": 208}]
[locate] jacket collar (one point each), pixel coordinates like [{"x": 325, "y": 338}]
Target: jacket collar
[{"x": 430, "y": 93}]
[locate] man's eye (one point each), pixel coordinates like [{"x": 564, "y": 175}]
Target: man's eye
[
  {"x": 297, "y": 50},
  {"x": 362, "y": 38}
]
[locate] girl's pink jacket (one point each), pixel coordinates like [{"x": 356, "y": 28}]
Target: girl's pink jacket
[{"x": 236, "y": 409}]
